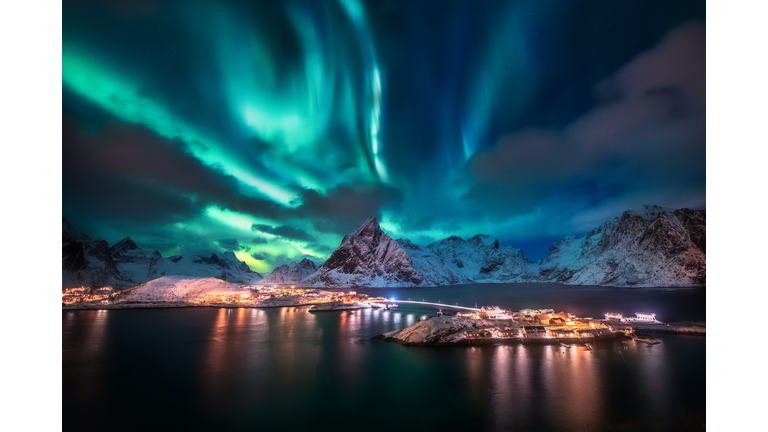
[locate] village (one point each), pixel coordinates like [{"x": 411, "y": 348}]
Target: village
[
  {"x": 246, "y": 296},
  {"x": 491, "y": 324},
  {"x": 548, "y": 324}
]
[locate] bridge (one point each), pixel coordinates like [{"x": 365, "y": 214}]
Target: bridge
[{"x": 439, "y": 306}]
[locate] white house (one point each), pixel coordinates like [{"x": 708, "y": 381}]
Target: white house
[
  {"x": 645, "y": 316},
  {"x": 641, "y": 317}
]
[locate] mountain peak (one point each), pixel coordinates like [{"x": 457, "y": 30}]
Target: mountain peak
[
  {"x": 369, "y": 231},
  {"x": 69, "y": 231},
  {"x": 367, "y": 256},
  {"x": 125, "y": 244},
  {"x": 370, "y": 224},
  {"x": 648, "y": 211}
]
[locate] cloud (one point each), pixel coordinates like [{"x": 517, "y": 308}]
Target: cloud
[
  {"x": 229, "y": 244},
  {"x": 284, "y": 231},
  {"x": 260, "y": 256},
  {"x": 128, "y": 172},
  {"x": 646, "y": 133},
  {"x": 259, "y": 240},
  {"x": 344, "y": 207}
]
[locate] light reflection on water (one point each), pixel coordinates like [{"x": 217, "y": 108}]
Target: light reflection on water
[{"x": 239, "y": 368}]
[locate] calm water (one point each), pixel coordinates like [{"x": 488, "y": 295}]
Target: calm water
[{"x": 287, "y": 369}]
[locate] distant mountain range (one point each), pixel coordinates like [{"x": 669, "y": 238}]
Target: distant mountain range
[
  {"x": 644, "y": 247},
  {"x": 88, "y": 262}
]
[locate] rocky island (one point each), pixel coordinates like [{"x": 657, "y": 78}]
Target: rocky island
[{"x": 492, "y": 325}]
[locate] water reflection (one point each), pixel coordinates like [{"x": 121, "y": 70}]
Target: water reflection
[
  {"x": 251, "y": 368},
  {"x": 652, "y": 377},
  {"x": 85, "y": 330}
]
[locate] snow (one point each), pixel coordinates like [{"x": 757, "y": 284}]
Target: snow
[
  {"x": 183, "y": 288},
  {"x": 93, "y": 263},
  {"x": 647, "y": 246},
  {"x": 291, "y": 274},
  {"x": 441, "y": 330}
]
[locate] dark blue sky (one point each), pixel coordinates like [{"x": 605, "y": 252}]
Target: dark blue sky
[{"x": 273, "y": 128}]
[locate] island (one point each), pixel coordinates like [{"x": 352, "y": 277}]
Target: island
[{"x": 492, "y": 325}]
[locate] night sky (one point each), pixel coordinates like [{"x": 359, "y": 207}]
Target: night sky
[{"x": 273, "y": 128}]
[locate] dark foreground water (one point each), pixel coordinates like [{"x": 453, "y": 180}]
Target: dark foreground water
[{"x": 287, "y": 369}]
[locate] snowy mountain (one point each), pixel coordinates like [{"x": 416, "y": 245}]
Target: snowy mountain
[
  {"x": 367, "y": 257},
  {"x": 87, "y": 262},
  {"x": 479, "y": 259},
  {"x": 291, "y": 274},
  {"x": 182, "y": 288},
  {"x": 646, "y": 246},
  {"x": 650, "y": 246}
]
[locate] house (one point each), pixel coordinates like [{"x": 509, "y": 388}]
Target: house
[
  {"x": 542, "y": 319},
  {"x": 528, "y": 314},
  {"x": 534, "y": 331},
  {"x": 594, "y": 332},
  {"x": 645, "y": 316},
  {"x": 489, "y": 312},
  {"x": 475, "y": 334},
  {"x": 556, "y": 321},
  {"x": 546, "y": 311},
  {"x": 562, "y": 333},
  {"x": 506, "y": 333}
]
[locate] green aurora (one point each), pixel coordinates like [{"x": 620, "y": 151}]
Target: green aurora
[{"x": 439, "y": 118}]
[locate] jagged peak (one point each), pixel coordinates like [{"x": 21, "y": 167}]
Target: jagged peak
[
  {"x": 368, "y": 231},
  {"x": 125, "y": 244},
  {"x": 308, "y": 264},
  {"x": 68, "y": 230},
  {"x": 648, "y": 211},
  {"x": 369, "y": 224},
  {"x": 481, "y": 239}
]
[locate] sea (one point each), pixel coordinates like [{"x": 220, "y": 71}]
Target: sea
[{"x": 288, "y": 369}]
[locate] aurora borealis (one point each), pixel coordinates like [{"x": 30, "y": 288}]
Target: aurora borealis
[{"x": 273, "y": 128}]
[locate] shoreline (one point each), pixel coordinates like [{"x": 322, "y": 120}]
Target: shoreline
[
  {"x": 177, "y": 306},
  {"x": 504, "y": 341}
]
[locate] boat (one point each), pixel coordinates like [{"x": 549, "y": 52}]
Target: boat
[
  {"x": 394, "y": 305},
  {"x": 588, "y": 347},
  {"x": 565, "y": 345},
  {"x": 439, "y": 313}
]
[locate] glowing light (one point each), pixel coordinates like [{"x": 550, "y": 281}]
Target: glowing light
[{"x": 123, "y": 97}]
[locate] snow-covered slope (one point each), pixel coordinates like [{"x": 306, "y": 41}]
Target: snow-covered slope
[
  {"x": 291, "y": 274},
  {"x": 650, "y": 246},
  {"x": 227, "y": 268},
  {"x": 84, "y": 261},
  {"x": 476, "y": 260},
  {"x": 646, "y": 246},
  {"x": 182, "y": 288},
  {"x": 87, "y": 262},
  {"x": 367, "y": 257}
]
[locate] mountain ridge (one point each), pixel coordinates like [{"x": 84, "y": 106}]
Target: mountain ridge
[
  {"x": 88, "y": 262},
  {"x": 645, "y": 246}
]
